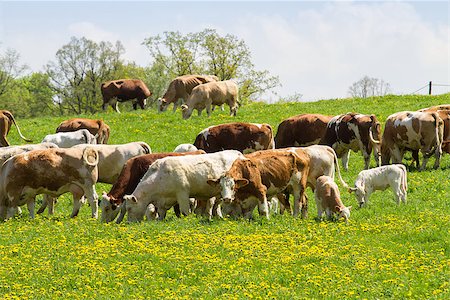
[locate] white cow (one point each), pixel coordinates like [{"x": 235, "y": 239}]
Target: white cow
[
  {"x": 69, "y": 139},
  {"x": 174, "y": 180},
  {"x": 185, "y": 148},
  {"x": 7, "y": 152},
  {"x": 381, "y": 178}
]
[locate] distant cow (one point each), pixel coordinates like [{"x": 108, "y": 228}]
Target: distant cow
[
  {"x": 212, "y": 93},
  {"x": 415, "y": 131},
  {"x": 96, "y": 127},
  {"x": 356, "y": 132},
  {"x": 6, "y": 120},
  {"x": 173, "y": 180},
  {"x": 69, "y": 139},
  {"x": 50, "y": 171},
  {"x": 7, "y": 152},
  {"x": 328, "y": 199},
  {"x": 381, "y": 178},
  {"x": 180, "y": 88},
  {"x": 244, "y": 137},
  {"x": 263, "y": 174},
  {"x": 131, "y": 174},
  {"x": 301, "y": 130},
  {"x": 436, "y": 108},
  {"x": 123, "y": 90}
]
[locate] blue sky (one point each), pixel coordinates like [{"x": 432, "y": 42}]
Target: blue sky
[{"x": 317, "y": 48}]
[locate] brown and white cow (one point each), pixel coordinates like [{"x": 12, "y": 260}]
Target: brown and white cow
[
  {"x": 131, "y": 174},
  {"x": 180, "y": 88},
  {"x": 212, "y": 93},
  {"x": 301, "y": 130},
  {"x": 7, "y": 152},
  {"x": 97, "y": 127},
  {"x": 356, "y": 132},
  {"x": 415, "y": 131},
  {"x": 328, "y": 199},
  {"x": 436, "y": 108},
  {"x": 50, "y": 171},
  {"x": 244, "y": 137},
  {"x": 6, "y": 120},
  {"x": 444, "y": 113},
  {"x": 251, "y": 180}
]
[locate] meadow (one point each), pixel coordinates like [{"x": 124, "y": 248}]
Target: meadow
[{"x": 385, "y": 251}]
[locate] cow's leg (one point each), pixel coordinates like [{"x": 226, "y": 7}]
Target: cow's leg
[
  {"x": 208, "y": 109},
  {"x": 183, "y": 202},
  {"x": 329, "y": 213},
  {"x": 345, "y": 158},
  {"x": 123, "y": 211},
  {"x": 45, "y": 200},
  {"x": 3, "y": 211},
  {"x": 366, "y": 160},
  {"x": 176, "y": 209},
  {"x": 162, "y": 211},
  {"x": 438, "y": 155},
  {"x": 51, "y": 205},
  {"x": 3, "y": 141},
  {"x": 263, "y": 206},
  {"x": 210, "y": 207},
  {"x": 31, "y": 205},
  {"x": 135, "y": 105},
  {"x": 114, "y": 105}
]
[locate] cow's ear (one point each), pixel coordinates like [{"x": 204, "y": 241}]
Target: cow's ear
[
  {"x": 352, "y": 189},
  {"x": 349, "y": 207},
  {"x": 130, "y": 198},
  {"x": 240, "y": 183},
  {"x": 184, "y": 107},
  {"x": 212, "y": 182}
]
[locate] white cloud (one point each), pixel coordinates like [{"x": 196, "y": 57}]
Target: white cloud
[{"x": 92, "y": 32}]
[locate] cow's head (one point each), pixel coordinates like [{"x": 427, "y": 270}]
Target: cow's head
[
  {"x": 162, "y": 105},
  {"x": 186, "y": 111},
  {"x": 109, "y": 207},
  {"x": 134, "y": 208},
  {"x": 360, "y": 194},
  {"x": 344, "y": 212},
  {"x": 228, "y": 186}
]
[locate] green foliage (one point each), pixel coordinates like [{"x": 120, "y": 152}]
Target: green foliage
[{"x": 386, "y": 250}]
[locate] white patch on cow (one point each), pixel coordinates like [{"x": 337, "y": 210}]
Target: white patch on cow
[
  {"x": 258, "y": 125},
  {"x": 356, "y": 144},
  {"x": 205, "y": 132}
]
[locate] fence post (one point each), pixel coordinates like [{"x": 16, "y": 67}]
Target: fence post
[{"x": 429, "y": 88}]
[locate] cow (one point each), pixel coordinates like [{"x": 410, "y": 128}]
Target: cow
[
  {"x": 436, "y": 108},
  {"x": 123, "y": 90},
  {"x": 381, "y": 178},
  {"x": 356, "y": 132},
  {"x": 301, "y": 130},
  {"x": 69, "y": 139},
  {"x": 111, "y": 158},
  {"x": 444, "y": 113},
  {"x": 174, "y": 180},
  {"x": 7, "y": 152},
  {"x": 328, "y": 199},
  {"x": 414, "y": 131},
  {"x": 49, "y": 171},
  {"x": 6, "y": 120},
  {"x": 244, "y": 137},
  {"x": 253, "y": 179},
  {"x": 96, "y": 127},
  {"x": 180, "y": 88},
  {"x": 132, "y": 172},
  {"x": 185, "y": 148},
  {"x": 209, "y": 94}
]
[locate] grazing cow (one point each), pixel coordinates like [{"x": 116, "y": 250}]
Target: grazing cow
[
  {"x": 328, "y": 199},
  {"x": 6, "y": 120},
  {"x": 244, "y": 137},
  {"x": 97, "y": 127},
  {"x": 209, "y": 94},
  {"x": 436, "y": 108},
  {"x": 356, "y": 132},
  {"x": 173, "y": 180},
  {"x": 381, "y": 178},
  {"x": 7, "y": 152},
  {"x": 180, "y": 88},
  {"x": 185, "y": 148},
  {"x": 132, "y": 172},
  {"x": 301, "y": 130},
  {"x": 50, "y": 171},
  {"x": 409, "y": 130},
  {"x": 123, "y": 90},
  {"x": 69, "y": 139},
  {"x": 263, "y": 174}
]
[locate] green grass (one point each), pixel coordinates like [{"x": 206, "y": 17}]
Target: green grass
[{"x": 385, "y": 251}]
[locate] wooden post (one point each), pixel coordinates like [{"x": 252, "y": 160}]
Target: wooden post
[{"x": 429, "y": 88}]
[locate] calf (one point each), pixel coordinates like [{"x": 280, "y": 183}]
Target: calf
[
  {"x": 50, "y": 171},
  {"x": 70, "y": 139},
  {"x": 328, "y": 199},
  {"x": 381, "y": 178},
  {"x": 185, "y": 148},
  {"x": 96, "y": 127}
]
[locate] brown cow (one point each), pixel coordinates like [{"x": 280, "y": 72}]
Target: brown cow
[
  {"x": 328, "y": 199},
  {"x": 97, "y": 127},
  {"x": 301, "y": 130},
  {"x": 131, "y": 174},
  {"x": 51, "y": 171},
  {"x": 412, "y": 130},
  {"x": 353, "y": 131},
  {"x": 6, "y": 120},
  {"x": 123, "y": 90},
  {"x": 251, "y": 180},
  {"x": 244, "y": 137},
  {"x": 180, "y": 88}
]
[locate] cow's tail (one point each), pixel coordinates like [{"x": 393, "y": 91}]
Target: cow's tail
[
  {"x": 404, "y": 180},
  {"x": 11, "y": 117},
  {"x": 146, "y": 147},
  {"x": 338, "y": 170},
  {"x": 272, "y": 140},
  {"x": 90, "y": 156},
  {"x": 102, "y": 135},
  {"x": 439, "y": 135}
]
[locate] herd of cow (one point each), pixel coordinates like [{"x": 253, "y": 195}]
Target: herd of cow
[{"x": 230, "y": 169}]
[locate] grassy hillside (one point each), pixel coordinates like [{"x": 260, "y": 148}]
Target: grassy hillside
[{"x": 385, "y": 251}]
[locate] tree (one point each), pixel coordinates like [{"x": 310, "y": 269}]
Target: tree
[
  {"x": 207, "y": 52},
  {"x": 369, "y": 87},
  {"x": 80, "y": 68},
  {"x": 10, "y": 69}
]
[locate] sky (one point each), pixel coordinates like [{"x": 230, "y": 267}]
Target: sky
[{"x": 317, "y": 48}]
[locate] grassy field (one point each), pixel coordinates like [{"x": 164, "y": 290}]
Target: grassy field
[{"x": 385, "y": 251}]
